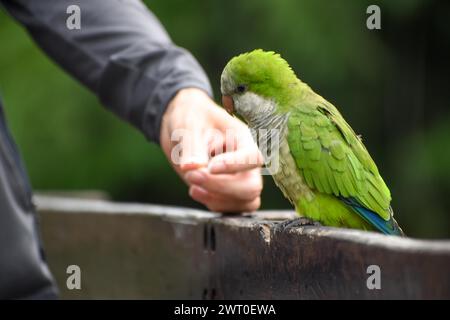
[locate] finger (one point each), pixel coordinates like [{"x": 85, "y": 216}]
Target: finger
[
  {"x": 220, "y": 204},
  {"x": 237, "y": 161},
  {"x": 194, "y": 150},
  {"x": 219, "y": 144},
  {"x": 237, "y": 137},
  {"x": 242, "y": 186}
]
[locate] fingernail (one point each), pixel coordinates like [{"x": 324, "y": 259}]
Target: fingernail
[
  {"x": 191, "y": 191},
  {"x": 217, "y": 167},
  {"x": 195, "y": 177},
  {"x": 194, "y": 160},
  {"x": 195, "y": 192}
]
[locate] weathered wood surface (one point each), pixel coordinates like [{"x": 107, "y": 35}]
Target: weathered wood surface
[{"x": 145, "y": 251}]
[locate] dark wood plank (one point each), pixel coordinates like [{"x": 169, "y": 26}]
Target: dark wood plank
[{"x": 143, "y": 251}]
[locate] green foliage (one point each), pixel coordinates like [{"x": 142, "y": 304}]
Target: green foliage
[{"x": 390, "y": 84}]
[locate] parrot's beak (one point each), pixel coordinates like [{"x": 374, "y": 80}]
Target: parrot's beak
[{"x": 228, "y": 104}]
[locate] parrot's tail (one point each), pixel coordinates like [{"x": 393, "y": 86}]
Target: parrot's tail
[{"x": 389, "y": 227}]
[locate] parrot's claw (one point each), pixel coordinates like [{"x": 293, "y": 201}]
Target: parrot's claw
[{"x": 299, "y": 222}]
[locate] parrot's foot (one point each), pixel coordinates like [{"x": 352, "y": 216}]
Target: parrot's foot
[{"x": 299, "y": 222}]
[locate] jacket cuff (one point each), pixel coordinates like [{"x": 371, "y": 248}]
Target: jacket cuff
[{"x": 139, "y": 83}]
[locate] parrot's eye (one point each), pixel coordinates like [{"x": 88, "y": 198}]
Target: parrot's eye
[{"x": 241, "y": 88}]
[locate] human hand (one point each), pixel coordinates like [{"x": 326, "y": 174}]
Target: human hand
[{"x": 227, "y": 181}]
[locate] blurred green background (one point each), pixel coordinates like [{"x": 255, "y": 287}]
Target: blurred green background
[{"x": 392, "y": 85}]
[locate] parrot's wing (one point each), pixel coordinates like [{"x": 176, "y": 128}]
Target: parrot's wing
[{"x": 333, "y": 160}]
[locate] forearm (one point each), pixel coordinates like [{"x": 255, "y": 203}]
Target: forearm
[{"x": 121, "y": 53}]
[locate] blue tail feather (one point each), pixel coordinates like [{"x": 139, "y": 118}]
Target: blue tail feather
[{"x": 389, "y": 227}]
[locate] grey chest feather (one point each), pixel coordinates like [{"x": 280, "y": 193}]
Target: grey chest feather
[{"x": 287, "y": 176}]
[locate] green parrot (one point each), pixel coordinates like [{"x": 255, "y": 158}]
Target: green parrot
[{"x": 324, "y": 169}]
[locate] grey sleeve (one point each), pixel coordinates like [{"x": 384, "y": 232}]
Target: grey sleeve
[{"x": 121, "y": 52}]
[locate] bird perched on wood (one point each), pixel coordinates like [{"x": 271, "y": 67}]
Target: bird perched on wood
[{"x": 324, "y": 168}]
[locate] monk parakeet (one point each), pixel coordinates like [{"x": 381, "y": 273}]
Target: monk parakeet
[{"x": 324, "y": 169}]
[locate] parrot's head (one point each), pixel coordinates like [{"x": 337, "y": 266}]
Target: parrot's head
[{"x": 257, "y": 84}]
